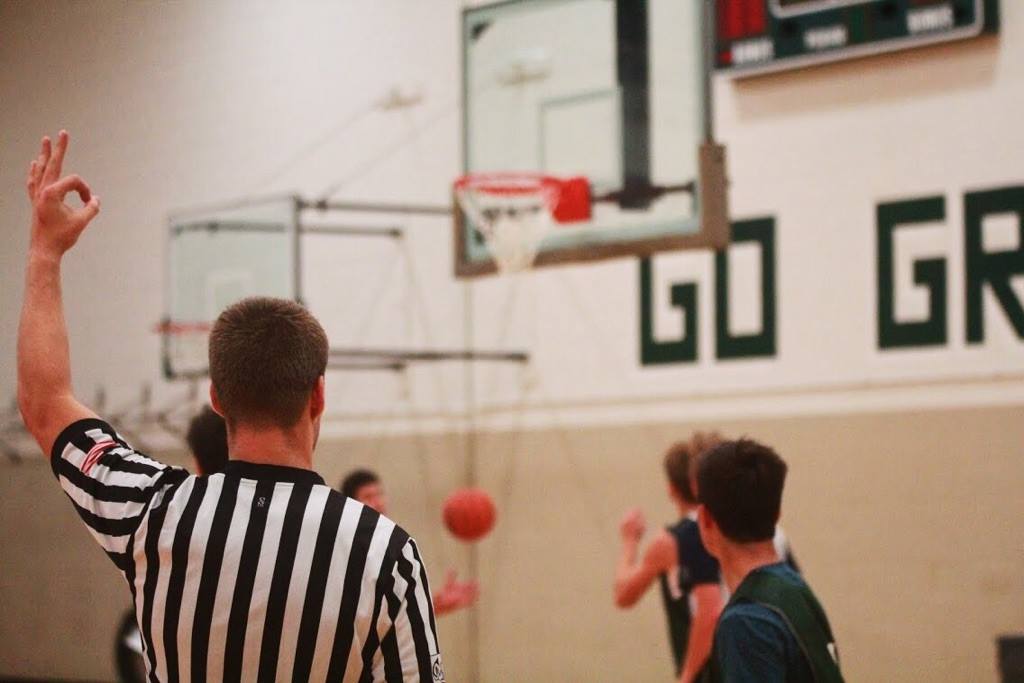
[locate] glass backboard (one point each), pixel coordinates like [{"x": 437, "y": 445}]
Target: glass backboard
[
  {"x": 615, "y": 91},
  {"x": 215, "y": 258}
]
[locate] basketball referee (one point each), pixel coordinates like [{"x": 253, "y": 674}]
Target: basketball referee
[{"x": 260, "y": 572}]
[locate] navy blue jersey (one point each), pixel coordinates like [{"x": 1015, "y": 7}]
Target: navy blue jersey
[{"x": 694, "y": 567}]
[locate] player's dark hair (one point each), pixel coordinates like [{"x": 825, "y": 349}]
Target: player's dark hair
[
  {"x": 741, "y": 486},
  {"x": 208, "y": 440},
  {"x": 357, "y": 479},
  {"x": 266, "y": 356},
  {"x": 680, "y": 460}
]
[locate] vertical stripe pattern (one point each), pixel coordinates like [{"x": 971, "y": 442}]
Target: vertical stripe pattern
[{"x": 257, "y": 573}]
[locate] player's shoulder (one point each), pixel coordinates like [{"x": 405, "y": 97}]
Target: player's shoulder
[
  {"x": 783, "y": 572},
  {"x": 663, "y": 549},
  {"x": 678, "y": 526},
  {"x": 688, "y": 528},
  {"x": 690, "y": 542},
  {"x": 746, "y": 611},
  {"x": 751, "y": 622}
]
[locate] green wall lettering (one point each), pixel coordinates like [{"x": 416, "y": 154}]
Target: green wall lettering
[
  {"x": 992, "y": 268},
  {"x": 727, "y": 345},
  {"x": 684, "y": 297},
  {"x": 930, "y": 273}
]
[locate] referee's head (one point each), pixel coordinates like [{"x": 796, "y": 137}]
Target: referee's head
[{"x": 267, "y": 362}]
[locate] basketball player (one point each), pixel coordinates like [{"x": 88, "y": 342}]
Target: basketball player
[
  {"x": 780, "y": 540},
  {"x": 689, "y": 576},
  {"x": 207, "y": 440},
  {"x": 366, "y": 487},
  {"x": 773, "y": 628}
]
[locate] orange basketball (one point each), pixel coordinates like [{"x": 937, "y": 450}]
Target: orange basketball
[{"x": 469, "y": 513}]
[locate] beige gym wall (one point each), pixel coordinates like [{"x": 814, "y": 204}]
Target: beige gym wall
[{"x": 907, "y": 524}]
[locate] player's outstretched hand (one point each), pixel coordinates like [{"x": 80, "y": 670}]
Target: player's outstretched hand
[
  {"x": 632, "y": 526},
  {"x": 55, "y": 225},
  {"x": 455, "y": 594}
]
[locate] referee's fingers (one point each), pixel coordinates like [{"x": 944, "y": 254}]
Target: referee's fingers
[
  {"x": 56, "y": 160},
  {"x": 71, "y": 183},
  {"x": 89, "y": 211},
  {"x": 44, "y": 152},
  {"x": 30, "y": 183},
  {"x": 41, "y": 160}
]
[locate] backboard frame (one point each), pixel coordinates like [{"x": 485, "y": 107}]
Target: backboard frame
[
  {"x": 710, "y": 183},
  {"x": 295, "y": 228}
]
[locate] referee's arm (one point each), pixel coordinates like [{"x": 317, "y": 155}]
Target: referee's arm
[
  {"x": 45, "y": 397},
  {"x": 415, "y": 644},
  {"x": 109, "y": 498}
]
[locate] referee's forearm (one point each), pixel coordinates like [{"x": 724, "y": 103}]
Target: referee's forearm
[{"x": 44, "y": 365}]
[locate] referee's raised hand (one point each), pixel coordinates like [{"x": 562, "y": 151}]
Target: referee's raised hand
[{"x": 56, "y": 225}]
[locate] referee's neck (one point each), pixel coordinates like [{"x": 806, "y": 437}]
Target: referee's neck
[{"x": 291, "y": 447}]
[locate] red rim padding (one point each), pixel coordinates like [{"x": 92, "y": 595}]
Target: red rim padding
[{"x": 568, "y": 199}]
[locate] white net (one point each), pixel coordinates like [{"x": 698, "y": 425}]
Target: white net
[{"x": 513, "y": 215}]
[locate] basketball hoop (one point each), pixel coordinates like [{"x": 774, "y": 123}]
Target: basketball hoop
[
  {"x": 185, "y": 347},
  {"x": 515, "y": 211}
]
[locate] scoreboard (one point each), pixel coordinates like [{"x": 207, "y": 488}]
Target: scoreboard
[{"x": 759, "y": 36}]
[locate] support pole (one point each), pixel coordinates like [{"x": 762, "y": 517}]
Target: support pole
[
  {"x": 297, "y": 249},
  {"x": 377, "y": 207},
  {"x": 409, "y": 355},
  {"x": 471, "y": 478},
  {"x": 632, "y": 69}
]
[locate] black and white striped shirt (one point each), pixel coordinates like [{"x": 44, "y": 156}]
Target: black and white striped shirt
[{"x": 258, "y": 573}]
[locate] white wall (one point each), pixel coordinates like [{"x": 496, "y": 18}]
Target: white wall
[
  {"x": 173, "y": 105},
  {"x": 177, "y": 105},
  {"x": 817, "y": 150}
]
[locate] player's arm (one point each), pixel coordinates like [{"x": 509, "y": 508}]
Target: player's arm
[
  {"x": 454, "y": 594},
  {"x": 707, "y": 605},
  {"x": 45, "y": 398},
  {"x": 633, "y": 577}
]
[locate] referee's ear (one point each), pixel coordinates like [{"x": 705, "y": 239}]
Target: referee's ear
[
  {"x": 316, "y": 399},
  {"x": 214, "y": 401}
]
